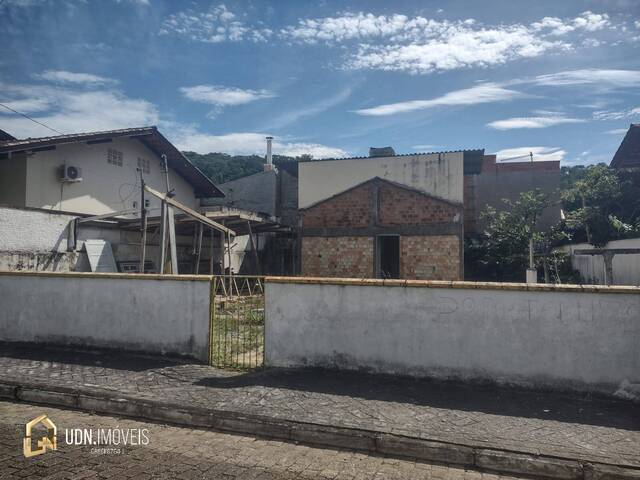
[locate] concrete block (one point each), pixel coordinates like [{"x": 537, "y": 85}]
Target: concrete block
[
  {"x": 35, "y": 395},
  {"x": 395, "y": 445},
  {"x": 8, "y": 391},
  {"x": 334, "y": 437},
  {"x": 523, "y": 464},
  {"x": 606, "y": 472}
]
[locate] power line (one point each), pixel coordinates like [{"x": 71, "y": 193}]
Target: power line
[{"x": 32, "y": 119}]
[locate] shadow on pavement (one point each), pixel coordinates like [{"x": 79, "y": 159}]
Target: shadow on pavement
[
  {"x": 491, "y": 399},
  {"x": 85, "y": 356}
]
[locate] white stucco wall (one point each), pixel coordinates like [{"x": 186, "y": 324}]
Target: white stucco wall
[
  {"x": 439, "y": 174},
  {"x": 104, "y": 187},
  {"x": 561, "y": 339},
  {"x": 151, "y": 315},
  {"x": 626, "y": 268}
]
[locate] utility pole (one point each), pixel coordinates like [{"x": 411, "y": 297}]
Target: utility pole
[{"x": 143, "y": 223}]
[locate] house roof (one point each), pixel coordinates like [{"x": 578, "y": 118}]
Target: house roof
[
  {"x": 628, "y": 154},
  {"x": 149, "y": 136},
  {"x": 469, "y": 152},
  {"x": 388, "y": 182},
  {"x": 472, "y": 158}
]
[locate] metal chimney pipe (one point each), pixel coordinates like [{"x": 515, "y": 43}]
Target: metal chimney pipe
[
  {"x": 269, "y": 165},
  {"x": 269, "y": 159}
]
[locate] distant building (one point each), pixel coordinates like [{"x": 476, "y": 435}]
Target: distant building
[{"x": 487, "y": 183}]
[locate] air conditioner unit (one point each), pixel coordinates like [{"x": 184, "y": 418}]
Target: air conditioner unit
[{"x": 71, "y": 174}]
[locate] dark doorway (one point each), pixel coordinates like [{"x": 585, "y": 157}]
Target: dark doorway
[{"x": 388, "y": 256}]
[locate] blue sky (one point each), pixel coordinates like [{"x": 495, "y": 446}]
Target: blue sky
[{"x": 561, "y": 79}]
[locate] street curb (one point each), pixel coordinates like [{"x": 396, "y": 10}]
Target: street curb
[{"x": 389, "y": 444}]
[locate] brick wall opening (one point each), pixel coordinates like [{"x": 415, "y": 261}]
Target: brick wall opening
[{"x": 388, "y": 256}]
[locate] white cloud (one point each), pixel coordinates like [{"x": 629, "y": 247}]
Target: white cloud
[
  {"x": 223, "y": 96},
  {"x": 539, "y": 153},
  {"x": 587, "y": 21},
  {"x": 424, "y": 148},
  {"x": 63, "y": 76},
  {"x": 460, "y": 47},
  {"x": 616, "y": 115},
  {"x": 532, "y": 122},
  {"x": 484, "y": 93},
  {"x": 27, "y": 105},
  {"x": 397, "y": 42},
  {"x": 617, "y": 131},
  {"x": 309, "y": 111},
  {"x": 251, "y": 143},
  {"x": 216, "y": 25},
  {"x": 590, "y": 76},
  {"x": 70, "y": 110}
]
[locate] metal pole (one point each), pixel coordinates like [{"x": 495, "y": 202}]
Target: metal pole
[
  {"x": 199, "y": 247},
  {"x": 163, "y": 236},
  {"x": 143, "y": 217}
]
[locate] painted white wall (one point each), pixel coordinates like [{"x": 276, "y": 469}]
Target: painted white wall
[
  {"x": 626, "y": 268},
  {"x": 558, "y": 339},
  {"x": 157, "y": 316},
  {"x": 105, "y": 187},
  {"x": 439, "y": 174}
]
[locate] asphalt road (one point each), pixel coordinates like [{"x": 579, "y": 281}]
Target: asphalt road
[{"x": 162, "y": 451}]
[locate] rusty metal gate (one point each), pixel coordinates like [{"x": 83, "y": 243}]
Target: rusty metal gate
[{"x": 237, "y": 322}]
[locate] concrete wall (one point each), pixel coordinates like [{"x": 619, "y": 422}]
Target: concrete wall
[
  {"x": 563, "y": 337},
  {"x": 36, "y": 240},
  {"x": 626, "y": 268},
  {"x": 105, "y": 187},
  {"x": 13, "y": 179},
  {"x": 169, "y": 315},
  {"x": 508, "y": 180},
  {"x": 439, "y": 174}
]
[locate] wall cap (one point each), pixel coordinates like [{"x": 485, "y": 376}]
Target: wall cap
[
  {"x": 122, "y": 276},
  {"x": 536, "y": 287}
]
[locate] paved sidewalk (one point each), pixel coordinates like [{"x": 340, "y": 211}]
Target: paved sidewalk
[
  {"x": 185, "y": 453},
  {"x": 533, "y": 423}
]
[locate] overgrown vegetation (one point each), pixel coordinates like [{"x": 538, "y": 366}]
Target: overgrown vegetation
[
  {"x": 221, "y": 167},
  {"x": 599, "y": 204}
]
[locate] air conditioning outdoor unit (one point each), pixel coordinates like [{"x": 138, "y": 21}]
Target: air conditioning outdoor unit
[{"x": 71, "y": 174}]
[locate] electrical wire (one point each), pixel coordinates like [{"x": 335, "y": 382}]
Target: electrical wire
[{"x": 29, "y": 118}]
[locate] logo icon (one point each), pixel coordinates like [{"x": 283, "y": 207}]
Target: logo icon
[{"x": 45, "y": 443}]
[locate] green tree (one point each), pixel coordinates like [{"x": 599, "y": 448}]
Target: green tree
[
  {"x": 601, "y": 206},
  {"x": 221, "y": 167},
  {"x": 503, "y": 250}
]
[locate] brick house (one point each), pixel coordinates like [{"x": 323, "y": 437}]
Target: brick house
[{"x": 385, "y": 229}]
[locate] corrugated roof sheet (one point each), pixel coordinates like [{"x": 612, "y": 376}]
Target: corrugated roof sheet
[{"x": 473, "y": 151}]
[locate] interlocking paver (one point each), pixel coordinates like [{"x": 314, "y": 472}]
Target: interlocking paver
[
  {"x": 228, "y": 456},
  {"x": 534, "y": 422}
]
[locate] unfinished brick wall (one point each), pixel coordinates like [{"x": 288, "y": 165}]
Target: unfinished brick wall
[
  {"x": 433, "y": 257},
  {"x": 399, "y": 206},
  {"x": 349, "y": 209},
  {"x": 337, "y": 257},
  {"x": 356, "y": 218}
]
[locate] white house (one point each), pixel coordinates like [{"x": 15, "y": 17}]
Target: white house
[{"x": 37, "y": 172}]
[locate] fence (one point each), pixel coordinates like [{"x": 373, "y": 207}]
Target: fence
[
  {"x": 565, "y": 336},
  {"x": 237, "y": 322}
]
